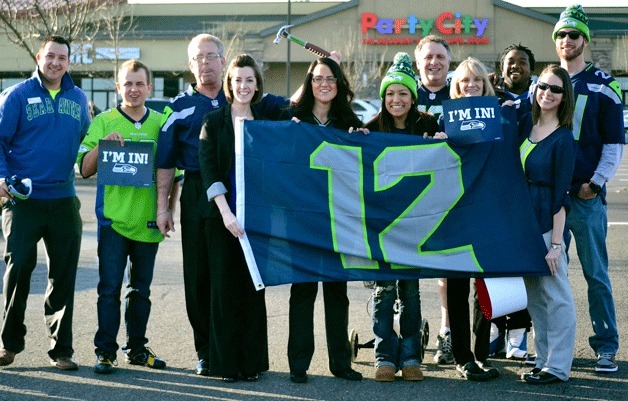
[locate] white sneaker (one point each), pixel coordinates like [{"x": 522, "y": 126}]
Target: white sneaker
[{"x": 516, "y": 344}]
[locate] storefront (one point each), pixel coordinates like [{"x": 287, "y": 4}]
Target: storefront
[{"x": 368, "y": 33}]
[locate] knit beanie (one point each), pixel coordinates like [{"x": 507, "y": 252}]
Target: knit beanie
[
  {"x": 400, "y": 73},
  {"x": 573, "y": 17}
]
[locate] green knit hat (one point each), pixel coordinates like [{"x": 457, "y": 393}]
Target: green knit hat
[
  {"x": 400, "y": 73},
  {"x": 573, "y": 17}
]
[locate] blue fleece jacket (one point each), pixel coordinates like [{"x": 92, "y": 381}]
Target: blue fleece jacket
[{"x": 40, "y": 136}]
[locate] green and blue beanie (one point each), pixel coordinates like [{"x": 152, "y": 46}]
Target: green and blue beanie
[
  {"x": 573, "y": 17},
  {"x": 400, "y": 73}
]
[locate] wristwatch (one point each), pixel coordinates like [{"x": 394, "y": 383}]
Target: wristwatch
[
  {"x": 555, "y": 246},
  {"x": 596, "y": 189}
]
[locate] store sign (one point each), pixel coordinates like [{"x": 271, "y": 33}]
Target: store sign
[
  {"x": 124, "y": 53},
  {"x": 447, "y": 24}
]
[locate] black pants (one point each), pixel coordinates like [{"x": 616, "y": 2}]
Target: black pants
[
  {"x": 58, "y": 223},
  {"x": 459, "y": 319},
  {"x": 301, "y": 337},
  {"x": 196, "y": 277}
]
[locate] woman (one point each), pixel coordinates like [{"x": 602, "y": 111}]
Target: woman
[
  {"x": 548, "y": 154},
  {"x": 325, "y": 100},
  {"x": 469, "y": 79},
  {"x": 239, "y": 346},
  {"x": 393, "y": 352}
]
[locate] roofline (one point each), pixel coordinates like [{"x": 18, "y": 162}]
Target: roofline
[
  {"x": 524, "y": 11},
  {"x": 312, "y": 17}
]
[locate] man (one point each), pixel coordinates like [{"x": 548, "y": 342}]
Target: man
[
  {"x": 42, "y": 123},
  {"x": 178, "y": 147},
  {"x": 598, "y": 129},
  {"x": 433, "y": 57},
  {"x": 516, "y": 65},
  {"x": 126, "y": 224}
]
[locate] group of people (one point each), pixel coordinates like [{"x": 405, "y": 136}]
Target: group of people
[{"x": 568, "y": 136}]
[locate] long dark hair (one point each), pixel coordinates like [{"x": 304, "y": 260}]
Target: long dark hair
[
  {"x": 340, "y": 106},
  {"x": 566, "y": 108}
]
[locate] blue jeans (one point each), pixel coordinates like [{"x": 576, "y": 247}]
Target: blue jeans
[
  {"x": 391, "y": 349},
  {"x": 588, "y": 223},
  {"x": 113, "y": 252}
]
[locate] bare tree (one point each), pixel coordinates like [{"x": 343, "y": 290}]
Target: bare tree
[
  {"x": 26, "y": 22},
  {"x": 116, "y": 21},
  {"x": 363, "y": 68}
]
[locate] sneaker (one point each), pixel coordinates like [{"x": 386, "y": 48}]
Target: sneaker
[
  {"x": 533, "y": 372},
  {"x": 202, "y": 368},
  {"x": 146, "y": 357},
  {"x": 104, "y": 364},
  {"x": 6, "y": 357},
  {"x": 471, "y": 371},
  {"x": 385, "y": 373},
  {"x": 497, "y": 341},
  {"x": 517, "y": 344},
  {"x": 606, "y": 363},
  {"x": 443, "y": 353},
  {"x": 487, "y": 366},
  {"x": 530, "y": 360},
  {"x": 412, "y": 373},
  {"x": 65, "y": 363},
  {"x": 348, "y": 374}
]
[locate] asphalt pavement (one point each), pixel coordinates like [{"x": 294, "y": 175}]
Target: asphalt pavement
[{"x": 31, "y": 377}]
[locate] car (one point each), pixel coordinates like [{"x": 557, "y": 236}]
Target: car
[
  {"x": 365, "y": 110},
  {"x": 157, "y": 104}
]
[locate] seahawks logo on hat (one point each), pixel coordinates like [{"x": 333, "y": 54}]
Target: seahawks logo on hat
[{"x": 571, "y": 22}]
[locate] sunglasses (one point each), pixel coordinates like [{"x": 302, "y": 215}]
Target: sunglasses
[
  {"x": 553, "y": 88},
  {"x": 573, "y": 35}
]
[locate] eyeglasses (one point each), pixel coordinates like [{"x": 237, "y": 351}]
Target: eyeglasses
[
  {"x": 553, "y": 88},
  {"x": 319, "y": 80},
  {"x": 573, "y": 35},
  {"x": 206, "y": 57}
]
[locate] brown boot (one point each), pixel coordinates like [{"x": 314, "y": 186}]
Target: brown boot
[
  {"x": 6, "y": 357},
  {"x": 412, "y": 373},
  {"x": 385, "y": 374}
]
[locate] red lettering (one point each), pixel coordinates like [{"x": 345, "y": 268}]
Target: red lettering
[
  {"x": 368, "y": 21},
  {"x": 398, "y": 24},
  {"x": 439, "y": 24}
]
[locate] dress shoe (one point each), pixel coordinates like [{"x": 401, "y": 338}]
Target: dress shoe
[
  {"x": 487, "y": 366},
  {"x": 298, "y": 377},
  {"x": 533, "y": 372},
  {"x": 348, "y": 374},
  {"x": 249, "y": 377},
  {"x": 230, "y": 379},
  {"x": 6, "y": 357},
  {"x": 202, "y": 368},
  {"x": 471, "y": 371},
  {"x": 64, "y": 363},
  {"x": 542, "y": 378},
  {"x": 385, "y": 373},
  {"x": 412, "y": 373}
]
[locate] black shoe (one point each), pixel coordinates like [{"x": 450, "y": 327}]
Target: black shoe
[
  {"x": 104, "y": 364},
  {"x": 471, "y": 371},
  {"x": 230, "y": 378},
  {"x": 249, "y": 377},
  {"x": 542, "y": 378},
  {"x": 530, "y": 373},
  {"x": 298, "y": 377},
  {"x": 487, "y": 366},
  {"x": 145, "y": 357},
  {"x": 202, "y": 368},
  {"x": 348, "y": 374}
]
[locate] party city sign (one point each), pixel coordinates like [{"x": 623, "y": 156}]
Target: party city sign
[{"x": 448, "y": 25}]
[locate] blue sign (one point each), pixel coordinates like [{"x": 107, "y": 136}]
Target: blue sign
[
  {"x": 472, "y": 119},
  {"x": 319, "y": 204},
  {"x": 128, "y": 165}
]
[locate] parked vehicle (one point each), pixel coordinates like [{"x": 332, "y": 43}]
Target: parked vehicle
[{"x": 365, "y": 110}]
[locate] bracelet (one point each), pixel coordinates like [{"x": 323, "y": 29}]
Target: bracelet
[
  {"x": 165, "y": 211},
  {"x": 553, "y": 243}
]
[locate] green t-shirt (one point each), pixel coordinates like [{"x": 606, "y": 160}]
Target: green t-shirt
[{"x": 127, "y": 209}]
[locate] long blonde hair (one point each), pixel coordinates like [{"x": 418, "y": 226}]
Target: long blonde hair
[{"x": 475, "y": 67}]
